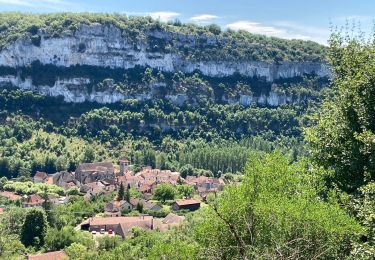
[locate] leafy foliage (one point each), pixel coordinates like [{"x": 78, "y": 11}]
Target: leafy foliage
[
  {"x": 342, "y": 139},
  {"x": 275, "y": 213}
]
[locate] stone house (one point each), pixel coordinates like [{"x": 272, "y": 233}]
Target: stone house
[
  {"x": 91, "y": 172},
  {"x": 118, "y": 206},
  {"x": 33, "y": 201}
]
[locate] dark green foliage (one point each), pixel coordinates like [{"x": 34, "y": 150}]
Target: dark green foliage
[
  {"x": 34, "y": 228},
  {"x": 139, "y": 207},
  {"x": 121, "y": 192}
]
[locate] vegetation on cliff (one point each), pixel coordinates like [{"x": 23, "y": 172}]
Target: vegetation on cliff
[{"x": 208, "y": 42}]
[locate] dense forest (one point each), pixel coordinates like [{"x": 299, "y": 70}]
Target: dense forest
[{"x": 300, "y": 177}]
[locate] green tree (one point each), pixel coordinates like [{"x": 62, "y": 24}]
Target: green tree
[
  {"x": 89, "y": 154},
  {"x": 59, "y": 239},
  {"x": 34, "y": 228},
  {"x": 342, "y": 139},
  {"x": 127, "y": 194},
  {"x": 164, "y": 192},
  {"x": 275, "y": 213},
  {"x": 121, "y": 192},
  {"x": 187, "y": 170},
  {"x": 139, "y": 207},
  {"x": 185, "y": 191}
]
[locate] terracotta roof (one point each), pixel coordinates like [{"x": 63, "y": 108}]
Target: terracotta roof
[
  {"x": 187, "y": 202},
  {"x": 58, "y": 255},
  {"x": 97, "y": 221},
  {"x": 172, "y": 218},
  {"x": 120, "y": 203},
  {"x": 1, "y": 211},
  {"x": 135, "y": 201},
  {"x": 50, "y": 180},
  {"x": 41, "y": 175},
  {"x": 146, "y": 223},
  {"x": 33, "y": 199},
  {"x": 10, "y": 195}
]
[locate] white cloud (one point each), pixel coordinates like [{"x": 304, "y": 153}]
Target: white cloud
[
  {"x": 255, "y": 27},
  {"x": 284, "y": 29},
  {"x": 203, "y": 18},
  {"x": 164, "y": 16},
  {"x": 51, "y": 4}
]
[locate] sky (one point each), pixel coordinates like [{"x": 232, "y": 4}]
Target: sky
[{"x": 290, "y": 19}]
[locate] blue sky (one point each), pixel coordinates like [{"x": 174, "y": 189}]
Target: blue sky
[{"x": 308, "y": 20}]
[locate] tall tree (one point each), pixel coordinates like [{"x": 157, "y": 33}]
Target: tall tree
[
  {"x": 127, "y": 194},
  {"x": 121, "y": 192},
  {"x": 34, "y": 228},
  {"x": 343, "y": 138}
]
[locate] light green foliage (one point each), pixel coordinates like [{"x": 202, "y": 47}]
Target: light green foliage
[
  {"x": 362, "y": 205},
  {"x": 343, "y": 137},
  {"x": 12, "y": 220},
  {"x": 77, "y": 251},
  {"x": 108, "y": 243},
  {"x": 275, "y": 213},
  {"x": 185, "y": 191},
  {"x": 164, "y": 192},
  {"x": 134, "y": 193},
  {"x": 10, "y": 246},
  {"x": 32, "y": 188}
]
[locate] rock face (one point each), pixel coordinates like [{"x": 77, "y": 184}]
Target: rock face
[{"x": 105, "y": 46}]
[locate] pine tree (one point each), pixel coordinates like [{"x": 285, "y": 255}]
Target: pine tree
[
  {"x": 127, "y": 194},
  {"x": 121, "y": 192}
]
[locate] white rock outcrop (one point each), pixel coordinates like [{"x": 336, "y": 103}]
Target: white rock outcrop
[{"x": 104, "y": 46}]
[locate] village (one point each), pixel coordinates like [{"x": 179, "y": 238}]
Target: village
[{"x": 134, "y": 204}]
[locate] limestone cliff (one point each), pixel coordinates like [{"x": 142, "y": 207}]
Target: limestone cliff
[{"x": 106, "y": 46}]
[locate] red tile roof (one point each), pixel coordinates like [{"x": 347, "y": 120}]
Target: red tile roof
[
  {"x": 10, "y": 195},
  {"x": 58, "y": 255},
  {"x": 172, "y": 218},
  {"x": 98, "y": 221},
  {"x": 187, "y": 202},
  {"x": 41, "y": 175}
]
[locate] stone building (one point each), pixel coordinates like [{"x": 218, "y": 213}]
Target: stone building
[{"x": 91, "y": 172}]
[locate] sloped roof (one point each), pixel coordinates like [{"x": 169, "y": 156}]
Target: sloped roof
[
  {"x": 96, "y": 167},
  {"x": 187, "y": 202},
  {"x": 99, "y": 221},
  {"x": 41, "y": 175},
  {"x": 57, "y": 255},
  {"x": 172, "y": 218},
  {"x": 10, "y": 195}
]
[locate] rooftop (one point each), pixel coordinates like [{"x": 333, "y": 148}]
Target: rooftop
[
  {"x": 187, "y": 202},
  {"x": 98, "y": 221},
  {"x": 57, "y": 255},
  {"x": 96, "y": 167}
]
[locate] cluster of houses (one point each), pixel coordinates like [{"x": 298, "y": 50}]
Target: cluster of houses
[
  {"x": 99, "y": 177},
  {"x": 92, "y": 179},
  {"x": 123, "y": 226}
]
